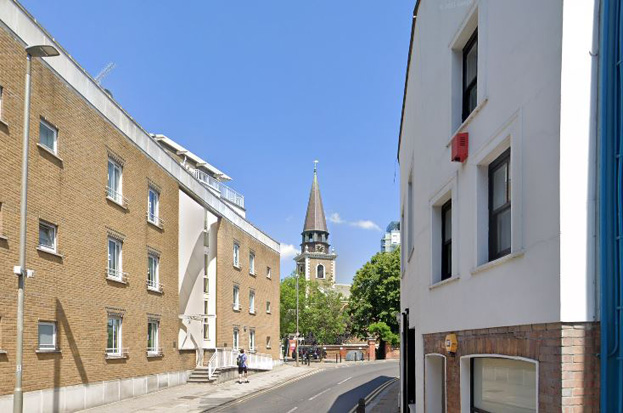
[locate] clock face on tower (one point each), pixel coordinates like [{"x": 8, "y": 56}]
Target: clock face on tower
[{"x": 319, "y": 248}]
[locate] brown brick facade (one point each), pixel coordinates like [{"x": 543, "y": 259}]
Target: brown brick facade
[
  {"x": 69, "y": 191},
  {"x": 266, "y": 289},
  {"x": 567, "y": 354}
]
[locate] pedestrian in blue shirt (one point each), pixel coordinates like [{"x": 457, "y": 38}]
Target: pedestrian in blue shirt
[{"x": 242, "y": 366}]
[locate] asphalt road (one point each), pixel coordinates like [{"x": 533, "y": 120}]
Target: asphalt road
[{"x": 331, "y": 390}]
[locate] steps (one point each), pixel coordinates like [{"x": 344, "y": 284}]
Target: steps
[{"x": 201, "y": 375}]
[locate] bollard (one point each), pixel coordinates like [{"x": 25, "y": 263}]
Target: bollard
[
  {"x": 361, "y": 406},
  {"x": 335, "y": 358},
  {"x": 368, "y": 355},
  {"x": 340, "y": 357}
]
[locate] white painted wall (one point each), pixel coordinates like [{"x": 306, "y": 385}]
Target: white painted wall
[
  {"x": 192, "y": 250},
  {"x": 522, "y": 53}
]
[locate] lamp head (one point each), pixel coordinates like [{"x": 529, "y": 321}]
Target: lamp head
[{"x": 42, "y": 51}]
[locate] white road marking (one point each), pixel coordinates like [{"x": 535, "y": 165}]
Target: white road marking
[
  {"x": 291, "y": 410},
  {"x": 345, "y": 380},
  {"x": 322, "y": 392}
]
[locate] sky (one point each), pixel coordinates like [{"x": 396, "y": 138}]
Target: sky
[{"x": 261, "y": 89}]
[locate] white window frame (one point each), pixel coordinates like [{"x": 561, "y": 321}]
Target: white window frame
[
  {"x": 236, "y": 339},
  {"x": 155, "y": 349},
  {"x": 251, "y": 339},
  {"x": 54, "y": 345},
  {"x": 54, "y": 229},
  {"x": 252, "y": 301},
  {"x": 268, "y": 307},
  {"x": 1, "y": 102},
  {"x": 252, "y": 263},
  {"x": 206, "y": 330},
  {"x": 431, "y": 381},
  {"x": 115, "y": 274},
  {"x": 49, "y": 126},
  {"x": 268, "y": 273},
  {"x": 236, "y": 293},
  {"x": 449, "y": 191},
  {"x": 118, "y": 349},
  {"x": 155, "y": 283},
  {"x": 115, "y": 193},
  {"x": 236, "y": 255},
  {"x": 268, "y": 342},
  {"x": 153, "y": 216}
]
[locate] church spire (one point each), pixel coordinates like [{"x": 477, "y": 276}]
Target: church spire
[{"x": 315, "y": 219}]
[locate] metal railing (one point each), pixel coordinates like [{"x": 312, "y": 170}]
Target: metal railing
[
  {"x": 116, "y": 275},
  {"x": 117, "y": 353},
  {"x": 116, "y": 197},
  {"x": 154, "y": 286},
  {"x": 155, "y": 219},
  {"x": 226, "y": 358},
  {"x": 225, "y": 191}
]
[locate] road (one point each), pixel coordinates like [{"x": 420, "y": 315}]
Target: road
[{"x": 333, "y": 389}]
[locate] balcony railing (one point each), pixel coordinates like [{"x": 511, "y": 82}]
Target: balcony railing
[
  {"x": 116, "y": 197},
  {"x": 116, "y": 275},
  {"x": 155, "y": 219},
  {"x": 226, "y": 358},
  {"x": 225, "y": 191},
  {"x": 154, "y": 286}
]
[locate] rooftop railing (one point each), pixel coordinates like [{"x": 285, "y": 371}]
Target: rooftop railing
[{"x": 225, "y": 191}]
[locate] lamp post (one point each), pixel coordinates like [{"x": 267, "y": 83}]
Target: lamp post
[
  {"x": 297, "y": 318},
  {"x": 20, "y": 271}
]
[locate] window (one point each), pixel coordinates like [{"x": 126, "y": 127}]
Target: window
[
  {"x": 47, "y": 336},
  {"x": 114, "y": 189},
  {"x": 153, "y": 332},
  {"x": 500, "y": 206},
  {"x": 446, "y": 240},
  {"x": 205, "y": 307},
  {"x": 410, "y": 219},
  {"x": 47, "y": 236},
  {"x": 48, "y": 135},
  {"x": 206, "y": 330},
  {"x": 236, "y": 298},
  {"x": 470, "y": 75},
  {"x": 268, "y": 307},
  {"x": 153, "y": 269},
  {"x": 114, "y": 259},
  {"x": 252, "y": 263},
  {"x": 153, "y": 206},
  {"x": 268, "y": 272},
  {"x": 268, "y": 342},
  {"x": 236, "y": 255},
  {"x": 251, "y": 339},
  {"x": 499, "y": 384},
  {"x": 113, "y": 346},
  {"x": 236, "y": 341},
  {"x": 252, "y": 302},
  {"x": 320, "y": 271},
  {"x": 206, "y": 285}
]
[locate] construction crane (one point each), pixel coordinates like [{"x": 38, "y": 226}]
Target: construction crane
[{"x": 104, "y": 72}]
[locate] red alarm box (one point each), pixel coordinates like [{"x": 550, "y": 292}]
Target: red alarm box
[{"x": 459, "y": 147}]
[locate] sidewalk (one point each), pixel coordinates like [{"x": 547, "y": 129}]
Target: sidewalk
[
  {"x": 387, "y": 401},
  {"x": 200, "y": 397}
]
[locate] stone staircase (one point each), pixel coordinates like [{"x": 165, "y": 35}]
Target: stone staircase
[{"x": 200, "y": 375}]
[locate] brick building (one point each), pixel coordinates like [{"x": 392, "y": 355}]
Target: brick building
[
  {"x": 498, "y": 218},
  {"x": 132, "y": 248}
]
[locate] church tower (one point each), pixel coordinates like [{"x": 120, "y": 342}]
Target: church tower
[{"x": 316, "y": 261}]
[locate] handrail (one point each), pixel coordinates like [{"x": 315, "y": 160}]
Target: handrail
[
  {"x": 227, "y": 357},
  {"x": 224, "y": 191}
]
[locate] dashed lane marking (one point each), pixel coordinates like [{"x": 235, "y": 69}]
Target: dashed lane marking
[
  {"x": 322, "y": 392},
  {"x": 292, "y": 409},
  {"x": 345, "y": 380}
]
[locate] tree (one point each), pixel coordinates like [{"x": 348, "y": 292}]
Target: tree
[
  {"x": 375, "y": 298},
  {"x": 319, "y": 310}
]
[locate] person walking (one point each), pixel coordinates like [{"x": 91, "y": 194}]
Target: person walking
[{"x": 242, "y": 366}]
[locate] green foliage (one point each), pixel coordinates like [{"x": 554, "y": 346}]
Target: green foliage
[
  {"x": 383, "y": 332},
  {"x": 320, "y": 311},
  {"x": 375, "y": 296}
]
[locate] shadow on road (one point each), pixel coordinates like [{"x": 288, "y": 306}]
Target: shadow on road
[{"x": 348, "y": 400}]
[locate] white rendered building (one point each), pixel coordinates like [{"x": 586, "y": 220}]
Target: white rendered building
[{"x": 498, "y": 248}]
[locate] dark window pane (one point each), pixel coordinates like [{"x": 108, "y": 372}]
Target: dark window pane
[
  {"x": 499, "y": 178},
  {"x": 471, "y": 63}
]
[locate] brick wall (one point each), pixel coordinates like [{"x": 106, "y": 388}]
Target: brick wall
[
  {"x": 567, "y": 355},
  {"x": 266, "y": 289},
  {"x": 69, "y": 191}
]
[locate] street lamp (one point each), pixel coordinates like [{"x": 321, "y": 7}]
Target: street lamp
[
  {"x": 297, "y": 318},
  {"x": 20, "y": 271}
]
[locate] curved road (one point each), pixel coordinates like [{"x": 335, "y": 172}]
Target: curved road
[{"x": 332, "y": 389}]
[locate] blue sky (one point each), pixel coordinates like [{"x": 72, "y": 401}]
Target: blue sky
[{"x": 260, "y": 89}]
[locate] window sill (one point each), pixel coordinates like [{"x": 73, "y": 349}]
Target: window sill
[
  {"x": 54, "y": 351},
  {"x": 268, "y": 347},
  {"x": 117, "y": 203},
  {"x": 268, "y": 312},
  {"x": 155, "y": 224},
  {"x": 3, "y": 352},
  {"x": 50, "y": 152},
  {"x": 155, "y": 290},
  {"x": 116, "y": 356},
  {"x": 236, "y": 309},
  {"x": 4, "y": 238},
  {"x": 252, "y": 274},
  {"x": 5, "y": 124},
  {"x": 237, "y": 267},
  {"x": 252, "y": 312},
  {"x": 491, "y": 264},
  {"x": 469, "y": 119},
  {"x": 117, "y": 280},
  {"x": 444, "y": 282},
  {"x": 48, "y": 251},
  {"x": 155, "y": 355}
]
